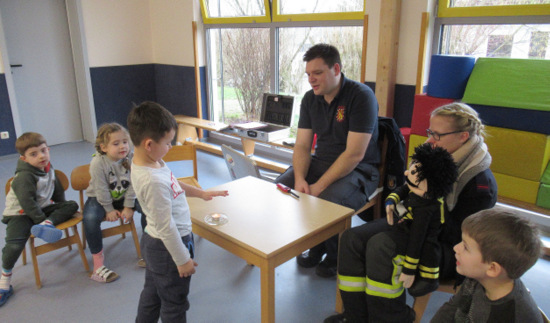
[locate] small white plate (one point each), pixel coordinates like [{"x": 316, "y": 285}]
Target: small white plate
[{"x": 216, "y": 219}]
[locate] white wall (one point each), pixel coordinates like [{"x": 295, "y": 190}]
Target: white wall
[
  {"x": 117, "y": 32},
  {"x": 409, "y": 39},
  {"x": 172, "y": 32}
]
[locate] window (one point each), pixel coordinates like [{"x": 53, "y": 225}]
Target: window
[
  {"x": 493, "y": 28},
  {"x": 246, "y": 60}
]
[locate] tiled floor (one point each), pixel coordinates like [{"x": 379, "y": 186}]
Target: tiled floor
[{"x": 224, "y": 289}]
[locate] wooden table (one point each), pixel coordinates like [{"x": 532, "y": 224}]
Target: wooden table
[{"x": 267, "y": 227}]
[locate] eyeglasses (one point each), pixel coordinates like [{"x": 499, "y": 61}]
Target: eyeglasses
[{"x": 437, "y": 136}]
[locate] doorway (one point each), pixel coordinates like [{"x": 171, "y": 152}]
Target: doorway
[{"x": 40, "y": 55}]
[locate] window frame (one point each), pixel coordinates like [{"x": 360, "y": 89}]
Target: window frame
[
  {"x": 488, "y": 15},
  {"x": 231, "y": 20},
  {"x": 446, "y": 11}
]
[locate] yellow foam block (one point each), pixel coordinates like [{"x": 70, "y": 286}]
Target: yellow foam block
[
  {"x": 518, "y": 153},
  {"x": 517, "y": 188},
  {"x": 414, "y": 141}
]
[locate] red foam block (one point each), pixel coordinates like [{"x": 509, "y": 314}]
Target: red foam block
[{"x": 423, "y": 107}]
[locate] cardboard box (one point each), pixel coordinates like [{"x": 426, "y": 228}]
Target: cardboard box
[{"x": 275, "y": 119}]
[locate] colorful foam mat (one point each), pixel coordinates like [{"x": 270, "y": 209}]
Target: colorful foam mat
[
  {"x": 517, "y": 153},
  {"x": 509, "y": 82}
]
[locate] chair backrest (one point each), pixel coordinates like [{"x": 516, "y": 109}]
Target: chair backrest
[
  {"x": 238, "y": 164},
  {"x": 80, "y": 179},
  {"x": 183, "y": 152},
  {"x": 59, "y": 174}
]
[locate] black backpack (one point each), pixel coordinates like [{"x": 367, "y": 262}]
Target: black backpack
[{"x": 396, "y": 161}]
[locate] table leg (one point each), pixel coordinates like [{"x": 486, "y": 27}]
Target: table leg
[
  {"x": 268, "y": 293},
  {"x": 186, "y": 132},
  {"x": 248, "y": 146}
]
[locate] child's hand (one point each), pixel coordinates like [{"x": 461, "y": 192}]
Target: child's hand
[
  {"x": 127, "y": 214},
  {"x": 112, "y": 216},
  {"x": 208, "y": 195},
  {"x": 389, "y": 213},
  {"x": 187, "y": 269},
  {"x": 407, "y": 280}
]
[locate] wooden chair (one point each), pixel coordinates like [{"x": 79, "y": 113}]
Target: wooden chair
[
  {"x": 68, "y": 241},
  {"x": 80, "y": 179},
  {"x": 544, "y": 317},
  {"x": 420, "y": 303},
  {"x": 186, "y": 151}
]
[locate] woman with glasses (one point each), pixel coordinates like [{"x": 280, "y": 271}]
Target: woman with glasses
[{"x": 363, "y": 254}]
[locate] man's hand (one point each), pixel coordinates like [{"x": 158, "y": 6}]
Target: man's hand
[
  {"x": 187, "y": 269},
  {"x": 302, "y": 186},
  {"x": 315, "y": 189},
  {"x": 389, "y": 213},
  {"x": 127, "y": 214},
  {"x": 112, "y": 216},
  {"x": 208, "y": 195},
  {"x": 407, "y": 280}
]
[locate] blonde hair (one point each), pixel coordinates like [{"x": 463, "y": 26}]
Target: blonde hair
[
  {"x": 28, "y": 140},
  {"x": 464, "y": 118},
  {"x": 103, "y": 136}
]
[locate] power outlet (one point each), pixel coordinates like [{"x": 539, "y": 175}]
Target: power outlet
[{"x": 5, "y": 135}]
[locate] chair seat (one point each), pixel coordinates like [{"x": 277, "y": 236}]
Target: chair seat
[{"x": 189, "y": 180}]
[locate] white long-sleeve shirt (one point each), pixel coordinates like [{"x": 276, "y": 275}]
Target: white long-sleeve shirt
[{"x": 163, "y": 201}]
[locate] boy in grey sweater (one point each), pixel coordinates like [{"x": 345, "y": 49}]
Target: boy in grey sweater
[
  {"x": 497, "y": 248},
  {"x": 35, "y": 204}
]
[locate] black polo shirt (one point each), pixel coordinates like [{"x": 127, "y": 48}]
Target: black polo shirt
[{"x": 354, "y": 108}]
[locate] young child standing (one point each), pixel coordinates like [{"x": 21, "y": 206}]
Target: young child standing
[
  {"x": 497, "y": 248},
  {"x": 35, "y": 204},
  {"x": 167, "y": 243},
  {"x": 110, "y": 194}
]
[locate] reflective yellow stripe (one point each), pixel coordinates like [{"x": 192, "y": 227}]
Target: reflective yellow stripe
[
  {"x": 393, "y": 290},
  {"x": 429, "y": 269},
  {"x": 393, "y": 197},
  {"x": 351, "y": 283},
  {"x": 375, "y": 288},
  {"x": 409, "y": 266},
  {"x": 429, "y": 272},
  {"x": 411, "y": 260},
  {"x": 427, "y": 275}
]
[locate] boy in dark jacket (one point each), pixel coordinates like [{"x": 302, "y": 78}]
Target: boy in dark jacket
[{"x": 35, "y": 204}]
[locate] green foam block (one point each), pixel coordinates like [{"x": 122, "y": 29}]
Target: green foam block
[
  {"x": 543, "y": 198},
  {"x": 508, "y": 82}
]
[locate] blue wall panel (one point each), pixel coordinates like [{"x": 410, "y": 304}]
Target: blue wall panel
[
  {"x": 7, "y": 146},
  {"x": 175, "y": 88},
  {"x": 117, "y": 88}
]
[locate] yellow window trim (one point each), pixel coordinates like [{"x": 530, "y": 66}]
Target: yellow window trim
[
  {"x": 445, "y": 11},
  {"x": 278, "y": 17},
  {"x": 235, "y": 20}
]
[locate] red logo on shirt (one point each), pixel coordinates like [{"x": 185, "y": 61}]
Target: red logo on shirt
[
  {"x": 176, "y": 188},
  {"x": 340, "y": 113}
]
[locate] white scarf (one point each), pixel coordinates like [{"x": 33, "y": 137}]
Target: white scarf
[{"x": 471, "y": 159}]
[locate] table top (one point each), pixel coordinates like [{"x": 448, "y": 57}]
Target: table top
[
  {"x": 263, "y": 219},
  {"x": 201, "y": 123}
]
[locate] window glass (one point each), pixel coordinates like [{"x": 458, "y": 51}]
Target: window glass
[
  {"x": 235, "y": 8},
  {"x": 515, "y": 41},
  {"x": 319, "y": 6},
  {"x": 479, "y": 3},
  {"x": 294, "y": 42},
  {"x": 239, "y": 72}
]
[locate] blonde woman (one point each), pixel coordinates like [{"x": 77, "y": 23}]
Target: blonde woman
[{"x": 368, "y": 280}]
